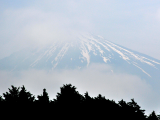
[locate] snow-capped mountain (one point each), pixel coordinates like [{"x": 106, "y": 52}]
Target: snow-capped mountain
[{"x": 82, "y": 52}]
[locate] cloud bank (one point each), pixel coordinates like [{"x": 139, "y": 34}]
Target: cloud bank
[{"x": 96, "y": 79}]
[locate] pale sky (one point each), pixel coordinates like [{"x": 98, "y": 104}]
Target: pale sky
[{"x": 132, "y": 24}]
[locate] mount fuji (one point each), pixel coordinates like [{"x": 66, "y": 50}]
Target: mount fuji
[{"x": 82, "y": 52}]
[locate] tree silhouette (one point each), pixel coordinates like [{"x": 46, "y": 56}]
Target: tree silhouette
[
  {"x": 18, "y": 96},
  {"x": 69, "y": 102},
  {"x": 68, "y": 95},
  {"x": 12, "y": 96},
  {"x": 87, "y": 98},
  {"x": 122, "y": 104},
  {"x": 42, "y": 105},
  {"x": 25, "y": 97},
  {"x": 158, "y": 117},
  {"x": 131, "y": 109},
  {"x": 88, "y": 106},
  {"x": 43, "y": 98},
  {"x": 105, "y": 108},
  {"x": 138, "y": 113},
  {"x": 153, "y": 116}
]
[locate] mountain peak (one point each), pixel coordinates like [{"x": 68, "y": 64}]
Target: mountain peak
[{"x": 79, "y": 53}]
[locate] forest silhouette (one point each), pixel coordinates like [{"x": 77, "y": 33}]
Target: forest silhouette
[{"x": 69, "y": 104}]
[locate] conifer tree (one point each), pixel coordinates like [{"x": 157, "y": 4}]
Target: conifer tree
[
  {"x": 68, "y": 95},
  {"x": 25, "y": 97},
  {"x": 87, "y": 98},
  {"x": 122, "y": 103},
  {"x": 153, "y": 116},
  {"x": 12, "y": 96},
  {"x": 136, "y": 107},
  {"x": 43, "y": 98},
  {"x": 135, "y": 110}
]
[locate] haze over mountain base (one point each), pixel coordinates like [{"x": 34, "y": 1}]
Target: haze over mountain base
[{"x": 96, "y": 79}]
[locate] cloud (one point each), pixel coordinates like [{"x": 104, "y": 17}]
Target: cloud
[
  {"x": 96, "y": 79},
  {"x": 32, "y": 25},
  {"x": 29, "y": 26}
]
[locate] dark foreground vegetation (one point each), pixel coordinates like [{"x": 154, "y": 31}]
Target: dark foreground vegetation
[{"x": 68, "y": 105}]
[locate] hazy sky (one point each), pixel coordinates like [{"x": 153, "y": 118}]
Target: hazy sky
[{"x": 133, "y": 24}]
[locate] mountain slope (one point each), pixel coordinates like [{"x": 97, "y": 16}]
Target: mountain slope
[{"x": 82, "y": 52}]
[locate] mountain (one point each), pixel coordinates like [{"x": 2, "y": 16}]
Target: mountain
[{"x": 82, "y": 52}]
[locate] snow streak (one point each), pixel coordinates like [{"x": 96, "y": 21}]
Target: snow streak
[{"x": 96, "y": 46}]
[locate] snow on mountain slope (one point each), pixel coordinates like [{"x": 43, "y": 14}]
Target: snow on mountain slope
[{"x": 81, "y": 53}]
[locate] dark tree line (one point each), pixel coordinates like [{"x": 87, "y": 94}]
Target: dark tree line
[{"x": 69, "y": 104}]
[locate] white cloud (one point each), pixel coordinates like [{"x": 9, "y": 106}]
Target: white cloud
[
  {"x": 29, "y": 26},
  {"x": 34, "y": 25}
]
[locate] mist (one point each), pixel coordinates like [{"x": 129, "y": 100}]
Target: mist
[
  {"x": 31, "y": 27},
  {"x": 96, "y": 79}
]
